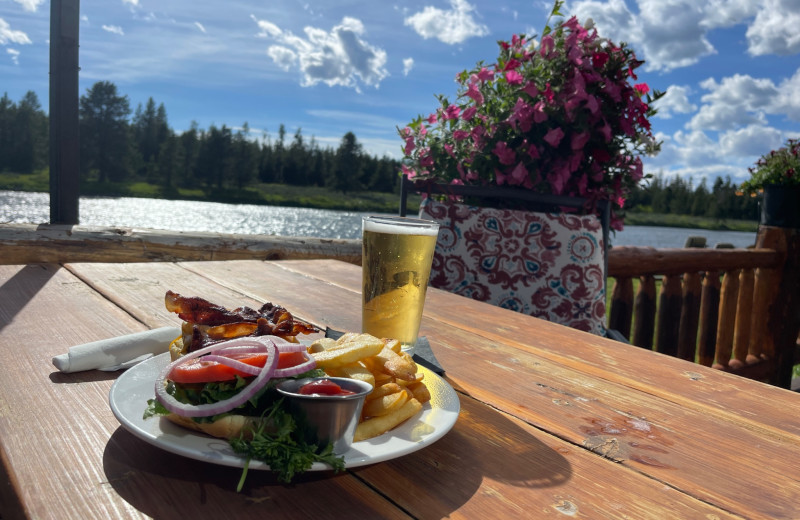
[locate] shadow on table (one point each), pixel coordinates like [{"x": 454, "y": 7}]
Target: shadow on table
[
  {"x": 163, "y": 485},
  {"x": 21, "y": 288},
  {"x": 484, "y": 445},
  {"x": 87, "y": 376}
]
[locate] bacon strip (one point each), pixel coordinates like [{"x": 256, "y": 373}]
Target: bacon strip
[{"x": 212, "y": 323}]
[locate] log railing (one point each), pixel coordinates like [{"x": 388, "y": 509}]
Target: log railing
[{"x": 735, "y": 309}]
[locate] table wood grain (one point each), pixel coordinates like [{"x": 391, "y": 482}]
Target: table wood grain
[{"x": 554, "y": 422}]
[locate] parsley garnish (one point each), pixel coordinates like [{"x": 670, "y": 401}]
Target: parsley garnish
[{"x": 283, "y": 447}]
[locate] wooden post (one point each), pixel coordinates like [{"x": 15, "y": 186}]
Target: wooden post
[
  {"x": 763, "y": 292},
  {"x": 64, "y": 143},
  {"x": 690, "y": 316},
  {"x": 783, "y": 321},
  {"x": 621, "y": 313},
  {"x": 727, "y": 315},
  {"x": 709, "y": 315},
  {"x": 669, "y": 312},
  {"x": 645, "y": 312},
  {"x": 744, "y": 311}
]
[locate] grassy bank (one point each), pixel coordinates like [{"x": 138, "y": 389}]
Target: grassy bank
[
  {"x": 320, "y": 198},
  {"x": 263, "y": 194}
]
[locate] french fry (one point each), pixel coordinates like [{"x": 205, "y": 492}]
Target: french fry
[
  {"x": 420, "y": 392},
  {"x": 384, "y": 390},
  {"x": 354, "y": 349},
  {"x": 359, "y": 372},
  {"x": 398, "y": 387},
  {"x": 418, "y": 377},
  {"x": 384, "y": 405},
  {"x": 379, "y": 425},
  {"x": 322, "y": 344}
]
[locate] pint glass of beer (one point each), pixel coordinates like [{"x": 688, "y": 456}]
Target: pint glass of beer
[{"x": 396, "y": 265}]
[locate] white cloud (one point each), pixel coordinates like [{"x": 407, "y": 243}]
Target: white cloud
[
  {"x": 282, "y": 56},
  {"x": 727, "y": 13},
  {"x": 30, "y": 5},
  {"x": 671, "y": 34},
  {"x": 737, "y": 101},
  {"x": 675, "y": 101},
  {"x": 451, "y": 27},
  {"x": 114, "y": 29},
  {"x": 340, "y": 57},
  {"x": 7, "y": 35},
  {"x": 774, "y": 30},
  {"x": 788, "y": 100},
  {"x": 408, "y": 64},
  {"x": 14, "y": 53},
  {"x": 750, "y": 141},
  {"x": 134, "y": 3},
  {"x": 200, "y": 26}
]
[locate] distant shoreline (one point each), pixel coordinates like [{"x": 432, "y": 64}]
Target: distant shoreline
[{"x": 323, "y": 198}]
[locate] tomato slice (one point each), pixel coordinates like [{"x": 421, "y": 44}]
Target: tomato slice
[{"x": 200, "y": 371}]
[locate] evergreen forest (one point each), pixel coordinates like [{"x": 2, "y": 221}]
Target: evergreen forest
[{"x": 121, "y": 145}]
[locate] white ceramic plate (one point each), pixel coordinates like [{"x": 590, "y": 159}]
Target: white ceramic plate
[{"x": 130, "y": 392}]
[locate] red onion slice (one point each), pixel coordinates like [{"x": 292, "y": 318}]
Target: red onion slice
[
  {"x": 244, "y": 368},
  {"x": 205, "y": 410},
  {"x": 309, "y": 364}
]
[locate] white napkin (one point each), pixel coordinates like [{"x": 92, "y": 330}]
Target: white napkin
[{"x": 117, "y": 353}]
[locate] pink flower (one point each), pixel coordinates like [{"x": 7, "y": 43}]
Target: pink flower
[
  {"x": 554, "y": 136},
  {"x": 512, "y": 64},
  {"x": 513, "y": 77},
  {"x": 519, "y": 174},
  {"x": 599, "y": 59},
  {"x": 432, "y": 118},
  {"x": 410, "y": 145},
  {"x": 474, "y": 92},
  {"x": 451, "y": 112},
  {"x": 478, "y": 136},
  {"x": 425, "y": 159},
  {"x": 641, "y": 88},
  {"x": 539, "y": 115},
  {"x": 579, "y": 140},
  {"x": 504, "y": 153},
  {"x": 460, "y": 135},
  {"x": 449, "y": 149},
  {"x": 469, "y": 114},
  {"x": 531, "y": 89},
  {"x": 547, "y": 46},
  {"x": 558, "y": 178},
  {"x": 408, "y": 172},
  {"x": 485, "y": 74},
  {"x": 592, "y": 105},
  {"x": 522, "y": 116},
  {"x": 548, "y": 93}
]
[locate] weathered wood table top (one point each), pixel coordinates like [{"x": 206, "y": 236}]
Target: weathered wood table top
[{"x": 554, "y": 423}]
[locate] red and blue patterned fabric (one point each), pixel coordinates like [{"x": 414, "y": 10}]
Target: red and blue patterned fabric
[{"x": 548, "y": 265}]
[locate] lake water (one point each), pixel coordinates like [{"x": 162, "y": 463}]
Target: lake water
[{"x": 33, "y": 208}]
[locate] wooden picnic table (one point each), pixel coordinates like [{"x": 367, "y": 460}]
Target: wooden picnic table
[{"x": 554, "y": 422}]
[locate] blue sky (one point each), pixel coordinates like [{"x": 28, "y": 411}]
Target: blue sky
[{"x": 731, "y": 68}]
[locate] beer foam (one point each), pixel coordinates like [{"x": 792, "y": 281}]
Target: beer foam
[{"x": 401, "y": 226}]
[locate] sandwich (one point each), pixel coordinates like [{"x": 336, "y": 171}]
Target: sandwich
[{"x": 222, "y": 378}]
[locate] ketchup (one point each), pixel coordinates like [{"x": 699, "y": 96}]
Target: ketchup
[{"x": 323, "y": 387}]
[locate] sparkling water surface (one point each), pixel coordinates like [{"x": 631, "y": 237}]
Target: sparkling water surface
[{"x": 33, "y": 208}]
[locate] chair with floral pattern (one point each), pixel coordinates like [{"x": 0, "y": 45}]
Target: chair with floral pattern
[{"x": 547, "y": 260}]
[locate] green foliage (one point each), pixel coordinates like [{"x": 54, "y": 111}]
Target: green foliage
[
  {"x": 677, "y": 196},
  {"x": 117, "y": 149},
  {"x": 779, "y": 167},
  {"x": 24, "y": 141}
]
